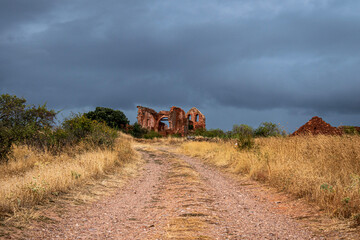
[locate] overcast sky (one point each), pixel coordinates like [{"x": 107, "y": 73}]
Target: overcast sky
[{"x": 244, "y": 61}]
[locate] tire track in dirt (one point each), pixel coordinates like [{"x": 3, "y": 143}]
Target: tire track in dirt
[
  {"x": 204, "y": 204},
  {"x": 242, "y": 216}
]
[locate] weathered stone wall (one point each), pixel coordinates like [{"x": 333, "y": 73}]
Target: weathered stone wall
[
  {"x": 147, "y": 118},
  {"x": 178, "y": 120},
  {"x": 196, "y": 119}
]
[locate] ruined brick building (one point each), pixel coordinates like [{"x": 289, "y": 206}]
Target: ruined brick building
[
  {"x": 178, "y": 121},
  {"x": 316, "y": 126}
]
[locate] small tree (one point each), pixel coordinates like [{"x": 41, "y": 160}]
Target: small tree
[
  {"x": 113, "y": 118},
  {"x": 79, "y": 128},
  {"x": 137, "y": 131},
  {"x": 242, "y": 130},
  {"x": 269, "y": 129},
  {"x": 20, "y": 122}
]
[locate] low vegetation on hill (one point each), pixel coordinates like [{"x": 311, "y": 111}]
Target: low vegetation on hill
[{"x": 265, "y": 129}]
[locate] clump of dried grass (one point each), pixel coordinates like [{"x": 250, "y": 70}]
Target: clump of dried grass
[
  {"x": 322, "y": 169},
  {"x": 32, "y": 176}
]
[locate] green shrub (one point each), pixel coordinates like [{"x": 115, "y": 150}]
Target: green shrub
[
  {"x": 269, "y": 129},
  {"x": 20, "y": 123},
  {"x": 351, "y": 130},
  {"x": 245, "y": 142},
  {"x": 113, "y": 118},
  {"x": 212, "y": 133},
  {"x": 199, "y": 132},
  {"x": 6, "y": 141},
  {"x": 79, "y": 128},
  {"x": 102, "y": 135},
  {"x": 176, "y": 135},
  {"x": 241, "y": 130},
  {"x": 152, "y": 135},
  {"x": 137, "y": 131}
]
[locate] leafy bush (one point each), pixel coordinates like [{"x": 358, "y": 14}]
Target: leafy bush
[
  {"x": 269, "y": 129},
  {"x": 350, "y": 130},
  {"x": 113, "y": 118},
  {"x": 34, "y": 126},
  {"x": 20, "y": 123},
  {"x": 245, "y": 142},
  {"x": 152, "y": 135},
  {"x": 79, "y": 128},
  {"x": 199, "y": 132},
  {"x": 137, "y": 131},
  {"x": 6, "y": 141},
  {"x": 241, "y": 130},
  {"x": 244, "y": 135},
  {"x": 212, "y": 133},
  {"x": 176, "y": 135}
]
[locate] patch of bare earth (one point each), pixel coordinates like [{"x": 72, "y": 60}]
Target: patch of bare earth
[{"x": 178, "y": 197}]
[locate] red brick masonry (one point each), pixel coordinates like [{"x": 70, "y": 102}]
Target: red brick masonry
[{"x": 179, "y": 122}]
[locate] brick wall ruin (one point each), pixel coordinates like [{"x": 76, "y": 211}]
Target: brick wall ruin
[
  {"x": 196, "y": 119},
  {"x": 178, "y": 121}
]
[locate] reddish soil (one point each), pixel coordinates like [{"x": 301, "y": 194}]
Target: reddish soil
[
  {"x": 316, "y": 126},
  {"x": 179, "y": 197}
]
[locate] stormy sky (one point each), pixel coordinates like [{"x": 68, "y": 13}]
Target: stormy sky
[{"x": 244, "y": 61}]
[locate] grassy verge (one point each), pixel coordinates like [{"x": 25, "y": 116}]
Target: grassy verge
[
  {"x": 31, "y": 177},
  {"x": 322, "y": 169}
]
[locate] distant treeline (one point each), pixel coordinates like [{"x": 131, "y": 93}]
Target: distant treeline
[{"x": 266, "y": 129}]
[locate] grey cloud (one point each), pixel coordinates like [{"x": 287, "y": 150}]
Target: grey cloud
[{"x": 254, "y": 55}]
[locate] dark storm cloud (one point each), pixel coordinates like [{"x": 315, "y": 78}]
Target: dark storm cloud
[
  {"x": 255, "y": 55},
  {"x": 15, "y": 12}
]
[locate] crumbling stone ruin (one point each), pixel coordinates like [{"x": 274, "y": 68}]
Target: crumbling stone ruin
[
  {"x": 196, "y": 120},
  {"x": 178, "y": 121},
  {"x": 317, "y": 126}
]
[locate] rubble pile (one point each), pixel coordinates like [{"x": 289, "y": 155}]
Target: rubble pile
[{"x": 317, "y": 126}]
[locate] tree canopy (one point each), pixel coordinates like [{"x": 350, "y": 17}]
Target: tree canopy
[{"x": 113, "y": 118}]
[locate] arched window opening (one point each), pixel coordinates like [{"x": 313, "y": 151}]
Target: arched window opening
[
  {"x": 189, "y": 117},
  {"x": 197, "y": 118},
  {"x": 164, "y": 124}
]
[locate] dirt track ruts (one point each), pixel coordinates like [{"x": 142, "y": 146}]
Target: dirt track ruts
[{"x": 178, "y": 197}]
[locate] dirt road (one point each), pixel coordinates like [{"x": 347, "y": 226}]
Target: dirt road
[{"x": 178, "y": 197}]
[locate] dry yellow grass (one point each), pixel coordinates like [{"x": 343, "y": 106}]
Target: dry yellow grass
[
  {"x": 31, "y": 177},
  {"x": 322, "y": 169}
]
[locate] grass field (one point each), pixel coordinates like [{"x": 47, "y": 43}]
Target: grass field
[
  {"x": 31, "y": 176},
  {"x": 322, "y": 169}
]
